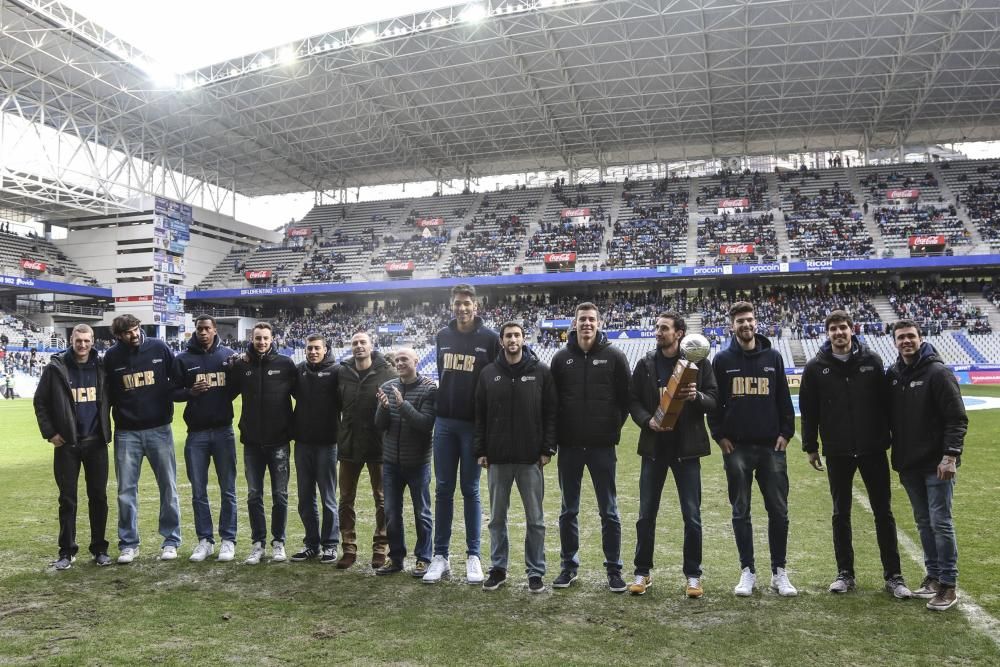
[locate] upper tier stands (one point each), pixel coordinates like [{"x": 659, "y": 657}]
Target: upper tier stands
[
  {"x": 822, "y": 218},
  {"x": 58, "y": 267},
  {"x": 976, "y": 187},
  {"x": 652, "y": 225},
  {"x": 746, "y": 237},
  {"x": 730, "y": 184},
  {"x": 491, "y": 242},
  {"x": 557, "y": 234}
]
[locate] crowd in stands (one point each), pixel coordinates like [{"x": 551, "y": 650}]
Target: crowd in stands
[
  {"x": 487, "y": 245},
  {"x": 729, "y": 184},
  {"x": 739, "y": 229},
  {"x": 565, "y": 236},
  {"x": 982, "y": 200},
  {"x": 876, "y": 183},
  {"x": 322, "y": 267},
  {"x": 648, "y": 234},
  {"x": 936, "y": 306}
]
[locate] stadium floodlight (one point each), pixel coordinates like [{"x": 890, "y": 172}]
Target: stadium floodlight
[
  {"x": 265, "y": 62},
  {"x": 287, "y": 55},
  {"x": 474, "y": 14},
  {"x": 365, "y": 37}
]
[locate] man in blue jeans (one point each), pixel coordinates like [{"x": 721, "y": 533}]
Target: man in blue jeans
[
  {"x": 753, "y": 423},
  {"x": 200, "y": 381},
  {"x": 928, "y": 423},
  {"x": 140, "y": 387},
  {"x": 678, "y": 450},
  {"x": 592, "y": 378},
  {"x": 464, "y": 348}
]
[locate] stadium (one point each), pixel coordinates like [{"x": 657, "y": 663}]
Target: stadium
[{"x": 644, "y": 155}]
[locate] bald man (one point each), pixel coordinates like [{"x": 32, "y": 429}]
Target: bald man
[{"x": 405, "y": 418}]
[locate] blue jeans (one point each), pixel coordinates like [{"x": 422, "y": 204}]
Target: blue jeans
[
  {"x": 201, "y": 447},
  {"x": 395, "y": 478},
  {"x": 931, "y": 500},
  {"x": 602, "y": 463},
  {"x": 771, "y": 470},
  {"x": 501, "y": 477},
  {"x": 257, "y": 460},
  {"x": 157, "y": 445},
  {"x": 652, "y": 477},
  {"x": 454, "y": 456},
  {"x": 316, "y": 466}
]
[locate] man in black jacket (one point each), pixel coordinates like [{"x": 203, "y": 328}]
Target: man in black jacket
[
  {"x": 515, "y": 438},
  {"x": 591, "y": 378},
  {"x": 317, "y": 418},
  {"x": 928, "y": 424},
  {"x": 266, "y": 381},
  {"x": 405, "y": 417},
  {"x": 842, "y": 398},
  {"x": 678, "y": 450},
  {"x": 359, "y": 444},
  {"x": 753, "y": 423},
  {"x": 71, "y": 406}
]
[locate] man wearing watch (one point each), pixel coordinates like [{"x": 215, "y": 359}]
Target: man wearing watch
[{"x": 928, "y": 423}]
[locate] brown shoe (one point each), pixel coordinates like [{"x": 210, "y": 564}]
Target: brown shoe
[
  {"x": 945, "y": 599},
  {"x": 378, "y": 560},
  {"x": 929, "y": 587},
  {"x": 346, "y": 560}
]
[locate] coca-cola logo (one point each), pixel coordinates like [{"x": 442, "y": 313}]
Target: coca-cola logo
[
  {"x": 927, "y": 240},
  {"x": 902, "y": 194},
  {"x": 257, "y": 275},
  {"x": 734, "y": 203},
  {"x": 560, "y": 257},
  {"x": 32, "y": 265},
  {"x": 575, "y": 212},
  {"x": 399, "y": 266},
  {"x": 736, "y": 249}
]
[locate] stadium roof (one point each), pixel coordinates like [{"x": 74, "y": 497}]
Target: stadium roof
[{"x": 520, "y": 85}]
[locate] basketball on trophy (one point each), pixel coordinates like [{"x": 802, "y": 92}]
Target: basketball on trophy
[{"x": 695, "y": 347}]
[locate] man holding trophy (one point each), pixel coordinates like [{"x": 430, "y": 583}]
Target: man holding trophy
[{"x": 672, "y": 389}]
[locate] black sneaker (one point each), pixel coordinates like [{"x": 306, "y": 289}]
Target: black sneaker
[
  {"x": 495, "y": 580},
  {"x": 564, "y": 579},
  {"x": 305, "y": 554},
  {"x": 389, "y": 567},
  {"x": 535, "y": 585},
  {"x": 615, "y": 582},
  {"x": 102, "y": 559},
  {"x": 64, "y": 562},
  {"x": 328, "y": 556}
]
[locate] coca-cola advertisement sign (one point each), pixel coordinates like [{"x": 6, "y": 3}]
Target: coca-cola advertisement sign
[
  {"x": 259, "y": 274},
  {"x": 32, "y": 265},
  {"x": 560, "y": 257},
  {"x": 736, "y": 249},
  {"x": 575, "y": 213},
  {"x": 397, "y": 267},
  {"x": 930, "y": 239},
  {"x": 430, "y": 222},
  {"x": 734, "y": 203},
  {"x": 299, "y": 231},
  {"x": 902, "y": 194}
]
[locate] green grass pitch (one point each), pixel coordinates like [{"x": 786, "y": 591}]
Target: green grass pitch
[{"x": 291, "y": 613}]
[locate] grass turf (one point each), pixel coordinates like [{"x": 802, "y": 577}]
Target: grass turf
[{"x": 180, "y": 612}]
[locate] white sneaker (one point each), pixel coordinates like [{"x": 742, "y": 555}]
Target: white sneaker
[
  {"x": 202, "y": 551},
  {"x": 127, "y": 555},
  {"x": 168, "y": 552},
  {"x": 781, "y": 585},
  {"x": 440, "y": 566},
  {"x": 227, "y": 552},
  {"x": 278, "y": 552},
  {"x": 748, "y": 580},
  {"x": 473, "y": 570},
  {"x": 256, "y": 553}
]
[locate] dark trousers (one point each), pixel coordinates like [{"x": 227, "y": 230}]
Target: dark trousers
[
  {"x": 66, "y": 464},
  {"x": 602, "y": 463},
  {"x": 349, "y": 475},
  {"x": 874, "y": 469},
  {"x": 770, "y": 468},
  {"x": 256, "y": 461},
  {"x": 652, "y": 477},
  {"x": 316, "y": 468}
]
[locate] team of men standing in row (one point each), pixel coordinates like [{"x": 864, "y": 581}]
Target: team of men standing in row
[{"x": 498, "y": 407}]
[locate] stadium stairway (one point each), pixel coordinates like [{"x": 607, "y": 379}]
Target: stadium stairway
[
  {"x": 985, "y": 306},
  {"x": 969, "y": 348},
  {"x": 798, "y": 352},
  {"x": 693, "y": 222},
  {"x": 884, "y": 309},
  {"x": 976, "y": 246},
  {"x": 781, "y": 232}
]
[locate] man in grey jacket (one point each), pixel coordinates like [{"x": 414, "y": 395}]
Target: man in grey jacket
[{"x": 405, "y": 418}]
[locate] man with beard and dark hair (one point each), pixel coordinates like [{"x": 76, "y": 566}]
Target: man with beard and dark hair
[
  {"x": 71, "y": 406},
  {"x": 140, "y": 389},
  {"x": 842, "y": 399},
  {"x": 591, "y": 378},
  {"x": 200, "y": 379},
  {"x": 359, "y": 444},
  {"x": 464, "y": 348},
  {"x": 266, "y": 381},
  {"x": 516, "y": 406},
  {"x": 928, "y": 423},
  {"x": 678, "y": 450},
  {"x": 317, "y": 419},
  {"x": 753, "y": 423}
]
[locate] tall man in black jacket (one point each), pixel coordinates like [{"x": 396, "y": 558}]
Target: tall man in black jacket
[
  {"x": 200, "y": 381},
  {"x": 753, "y": 423},
  {"x": 317, "y": 418},
  {"x": 591, "y": 378},
  {"x": 678, "y": 450},
  {"x": 515, "y": 438},
  {"x": 266, "y": 381},
  {"x": 928, "y": 424},
  {"x": 140, "y": 387},
  {"x": 71, "y": 406},
  {"x": 843, "y": 400}
]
